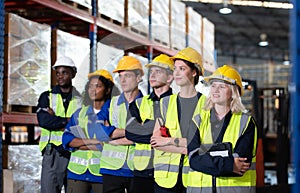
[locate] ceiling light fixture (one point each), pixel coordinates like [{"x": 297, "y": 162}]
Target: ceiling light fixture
[
  {"x": 263, "y": 40},
  {"x": 251, "y": 3},
  {"x": 225, "y": 10}
]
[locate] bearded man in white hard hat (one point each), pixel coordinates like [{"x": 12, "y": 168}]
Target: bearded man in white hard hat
[{"x": 55, "y": 107}]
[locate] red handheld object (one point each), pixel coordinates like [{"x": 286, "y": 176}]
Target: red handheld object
[{"x": 164, "y": 131}]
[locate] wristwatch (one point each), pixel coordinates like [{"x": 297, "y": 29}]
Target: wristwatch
[{"x": 176, "y": 142}]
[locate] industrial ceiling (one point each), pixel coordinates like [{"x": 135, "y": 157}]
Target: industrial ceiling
[{"x": 236, "y": 34}]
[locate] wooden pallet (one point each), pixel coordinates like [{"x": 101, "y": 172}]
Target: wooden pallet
[
  {"x": 19, "y": 108},
  {"x": 161, "y": 42},
  {"x": 135, "y": 30},
  {"x": 76, "y": 5},
  {"x": 111, "y": 20}
]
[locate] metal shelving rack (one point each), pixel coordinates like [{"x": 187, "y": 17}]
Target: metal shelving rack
[
  {"x": 294, "y": 89},
  {"x": 30, "y": 119}
]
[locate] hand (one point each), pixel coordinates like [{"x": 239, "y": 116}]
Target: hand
[
  {"x": 92, "y": 142},
  {"x": 50, "y": 111},
  {"x": 240, "y": 166},
  {"x": 106, "y": 123},
  {"x": 159, "y": 141}
]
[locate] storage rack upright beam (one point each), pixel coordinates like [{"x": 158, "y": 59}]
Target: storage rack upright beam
[
  {"x": 2, "y": 25},
  {"x": 295, "y": 89}
]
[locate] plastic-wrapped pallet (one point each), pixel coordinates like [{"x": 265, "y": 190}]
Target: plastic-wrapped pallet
[
  {"x": 112, "y": 9},
  {"x": 108, "y": 58},
  {"x": 138, "y": 20},
  {"x": 208, "y": 43},
  {"x": 160, "y": 21},
  {"x": 25, "y": 162},
  {"x": 195, "y": 29},
  {"x": 77, "y": 48},
  {"x": 85, "y": 3},
  {"x": 178, "y": 25},
  {"x": 27, "y": 60}
]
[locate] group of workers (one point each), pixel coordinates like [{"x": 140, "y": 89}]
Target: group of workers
[{"x": 163, "y": 142}]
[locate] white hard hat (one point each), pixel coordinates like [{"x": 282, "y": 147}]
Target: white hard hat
[{"x": 65, "y": 61}]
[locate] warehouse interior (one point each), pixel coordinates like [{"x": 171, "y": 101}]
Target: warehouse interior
[{"x": 37, "y": 32}]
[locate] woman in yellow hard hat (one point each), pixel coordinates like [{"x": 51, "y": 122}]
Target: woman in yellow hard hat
[
  {"x": 171, "y": 131},
  {"x": 223, "y": 152},
  {"x": 84, "y": 135}
]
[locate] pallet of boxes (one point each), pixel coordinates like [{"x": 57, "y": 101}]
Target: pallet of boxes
[{"x": 27, "y": 74}]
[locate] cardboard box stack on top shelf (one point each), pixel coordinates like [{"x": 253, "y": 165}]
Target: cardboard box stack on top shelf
[
  {"x": 208, "y": 45},
  {"x": 178, "y": 25},
  {"x": 112, "y": 9},
  {"x": 169, "y": 25},
  {"x": 138, "y": 17},
  {"x": 194, "y": 29},
  {"x": 161, "y": 22},
  {"x": 27, "y": 61}
]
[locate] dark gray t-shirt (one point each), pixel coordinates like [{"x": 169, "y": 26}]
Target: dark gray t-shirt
[{"x": 187, "y": 108}]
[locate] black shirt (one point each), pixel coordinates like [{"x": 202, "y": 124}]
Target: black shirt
[
  {"x": 52, "y": 122},
  {"x": 141, "y": 133}
]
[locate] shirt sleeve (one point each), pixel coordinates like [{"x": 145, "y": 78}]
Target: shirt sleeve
[
  {"x": 136, "y": 130},
  {"x": 103, "y": 115},
  {"x": 245, "y": 145},
  {"x": 217, "y": 165},
  {"x": 68, "y": 136},
  {"x": 46, "y": 120},
  {"x": 140, "y": 133}
]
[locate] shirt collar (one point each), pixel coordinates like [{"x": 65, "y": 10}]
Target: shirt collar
[
  {"x": 91, "y": 108},
  {"x": 154, "y": 97},
  {"x": 122, "y": 98}
]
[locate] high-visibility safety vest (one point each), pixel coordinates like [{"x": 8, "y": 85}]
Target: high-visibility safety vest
[
  {"x": 56, "y": 103},
  {"x": 166, "y": 165},
  {"x": 202, "y": 183},
  {"x": 114, "y": 156},
  {"x": 83, "y": 160},
  {"x": 143, "y": 152}
]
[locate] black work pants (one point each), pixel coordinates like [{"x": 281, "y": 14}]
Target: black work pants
[
  {"x": 117, "y": 184},
  {"x": 143, "y": 185}
]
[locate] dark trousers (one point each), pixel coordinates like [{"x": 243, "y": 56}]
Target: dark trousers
[
  {"x": 54, "y": 172},
  {"x": 117, "y": 184},
  {"x": 143, "y": 185},
  {"x": 175, "y": 189},
  {"x": 77, "y": 186}
]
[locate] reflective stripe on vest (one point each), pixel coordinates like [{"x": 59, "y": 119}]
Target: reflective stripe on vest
[
  {"x": 114, "y": 156},
  {"x": 56, "y": 103},
  {"x": 83, "y": 160},
  {"x": 166, "y": 165},
  {"x": 202, "y": 183},
  {"x": 143, "y": 152}
]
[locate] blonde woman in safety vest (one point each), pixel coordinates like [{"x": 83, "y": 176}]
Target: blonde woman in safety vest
[
  {"x": 223, "y": 152},
  {"x": 170, "y": 134},
  {"x": 84, "y": 135},
  {"x": 144, "y": 112},
  {"x": 116, "y": 164},
  {"x": 55, "y": 108}
]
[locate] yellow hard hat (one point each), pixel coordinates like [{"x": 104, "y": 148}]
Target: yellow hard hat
[
  {"x": 191, "y": 55},
  {"x": 103, "y": 73},
  {"x": 227, "y": 74},
  {"x": 162, "y": 61},
  {"x": 129, "y": 63}
]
